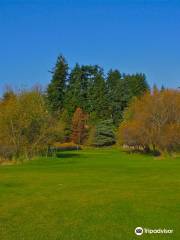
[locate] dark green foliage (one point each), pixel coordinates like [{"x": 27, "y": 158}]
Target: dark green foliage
[
  {"x": 57, "y": 86},
  {"x": 87, "y": 90},
  {"x": 115, "y": 93},
  {"x": 121, "y": 89},
  {"x": 76, "y": 90},
  {"x": 136, "y": 84},
  {"x": 86, "y": 87},
  {"x": 98, "y": 99},
  {"x": 105, "y": 133}
]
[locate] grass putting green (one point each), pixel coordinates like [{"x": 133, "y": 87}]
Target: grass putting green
[{"x": 90, "y": 195}]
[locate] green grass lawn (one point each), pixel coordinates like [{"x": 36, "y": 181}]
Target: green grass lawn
[{"x": 90, "y": 195}]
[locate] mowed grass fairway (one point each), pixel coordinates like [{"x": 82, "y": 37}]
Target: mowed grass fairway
[{"x": 90, "y": 195}]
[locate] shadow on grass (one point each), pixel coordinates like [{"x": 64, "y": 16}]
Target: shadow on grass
[
  {"x": 149, "y": 153},
  {"x": 67, "y": 155}
]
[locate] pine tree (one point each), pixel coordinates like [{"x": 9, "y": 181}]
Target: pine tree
[
  {"x": 87, "y": 90},
  {"x": 137, "y": 84},
  {"x": 72, "y": 97},
  {"x": 57, "y": 86},
  {"x": 98, "y": 100},
  {"x": 114, "y": 85}
]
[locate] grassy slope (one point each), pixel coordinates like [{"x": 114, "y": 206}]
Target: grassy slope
[{"x": 89, "y": 195}]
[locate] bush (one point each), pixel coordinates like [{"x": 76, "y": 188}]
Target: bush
[
  {"x": 6, "y": 152},
  {"x": 65, "y": 146}
]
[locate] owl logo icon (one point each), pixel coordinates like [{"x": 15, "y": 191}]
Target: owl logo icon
[{"x": 139, "y": 231}]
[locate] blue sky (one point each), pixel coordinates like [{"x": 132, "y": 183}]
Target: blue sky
[{"x": 132, "y": 36}]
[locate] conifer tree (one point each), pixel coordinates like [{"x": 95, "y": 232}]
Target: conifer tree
[
  {"x": 57, "y": 86},
  {"x": 136, "y": 84},
  {"x": 115, "y": 97},
  {"x": 72, "y": 97},
  {"x": 98, "y": 95}
]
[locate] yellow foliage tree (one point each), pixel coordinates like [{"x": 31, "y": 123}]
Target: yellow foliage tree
[
  {"x": 153, "y": 122},
  {"x": 26, "y": 127}
]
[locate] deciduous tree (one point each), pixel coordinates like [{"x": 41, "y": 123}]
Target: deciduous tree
[
  {"x": 79, "y": 127},
  {"x": 153, "y": 122}
]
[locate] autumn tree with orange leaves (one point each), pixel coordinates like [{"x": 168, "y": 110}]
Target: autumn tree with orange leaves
[
  {"x": 153, "y": 122},
  {"x": 79, "y": 126}
]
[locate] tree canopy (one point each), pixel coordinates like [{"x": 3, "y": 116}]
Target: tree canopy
[
  {"x": 153, "y": 122},
  {"x": 85, "y": 105}
]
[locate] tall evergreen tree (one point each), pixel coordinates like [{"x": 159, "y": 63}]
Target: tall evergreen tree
[
  {"x": 87, "y": 90},
  {"x": 121, "y": 89},
  {"x": 114, "y": 93},
  {"x": 57, "y": 86},
  {"x": 137, "y": 84},
  {"x": 98, "y": 101},
  {"x": 72, "y": 97}
]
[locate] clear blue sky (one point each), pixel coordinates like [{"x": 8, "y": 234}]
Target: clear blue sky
[{"x": 133, "y": 36}]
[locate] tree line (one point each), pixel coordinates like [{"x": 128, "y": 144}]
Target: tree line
[
  {"x": 85, "y": 106},
  {"x": 102, "y": 98}
]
